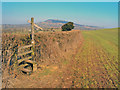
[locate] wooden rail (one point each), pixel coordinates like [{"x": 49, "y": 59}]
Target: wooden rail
[
  {"x": 29, "y": 61},
  {"x": 21, "y": 60},
  {"x": 25, "y": 70},
  {"x": 23, "y": 47},
  {"x": 35, "y": 25},
  {"x": 23, "y": 65},
  {"x": 21, "y": 54}
]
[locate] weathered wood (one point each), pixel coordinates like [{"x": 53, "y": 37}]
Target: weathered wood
[
  {"x": 8, "y": 63},
  {"x": 23, "y": 47},
  {"x": 21, "y": 60},
  {"x": 29, "y": 61},
  {"x": 15, "y": 64},
  {"x": 32, "y": 28},
  {"x": 34, "y": 64},
  {"x": 23, "y": 65},
  {"x": 34, "y": 67},
  {"x": 26, "y": 70},
  {"x": 35, "y": 25},
  {"x": 33, "y": 42},
  {"x": 20, "y": 54},
  {"x": 38, "y": 27}
]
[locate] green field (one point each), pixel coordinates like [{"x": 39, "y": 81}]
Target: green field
[
  {"x": 107, "y": 38},
  {"x": 97, "y": 59}
]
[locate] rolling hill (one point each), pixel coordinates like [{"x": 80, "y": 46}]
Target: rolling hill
[
  {"x": 47, "y": 25},
  {"x": 53, "y": 23}
]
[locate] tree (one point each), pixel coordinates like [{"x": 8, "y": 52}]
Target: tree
[{"x": 68, "y": 26}]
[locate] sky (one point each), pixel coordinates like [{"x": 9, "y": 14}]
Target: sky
[
  {"x": 103, "y": 14},
  {"x": 0, "y": 14},
  {"x": 60, "y": 0}
]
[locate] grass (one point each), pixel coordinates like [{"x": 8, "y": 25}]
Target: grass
[
  {"x": 45, "y": 72},
  {"x": 107, "y": 38},
  {"x": 65, "y": 62},
  {"x": 97, "y": 59}
]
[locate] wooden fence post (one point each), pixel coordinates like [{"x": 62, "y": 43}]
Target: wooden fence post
[
  {"x": 32, "y": 28},
  {"x": 33, "y": 42},
  {"x": 15, "y": 61}
]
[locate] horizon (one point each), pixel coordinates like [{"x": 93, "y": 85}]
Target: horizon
[
  {"x": 60, "y": 20},
  {"x": 102, "y": 14}
]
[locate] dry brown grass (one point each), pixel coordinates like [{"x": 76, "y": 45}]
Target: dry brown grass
[
  {"x": 55, "y": 47},
  {"x": 53, "y": 53}
]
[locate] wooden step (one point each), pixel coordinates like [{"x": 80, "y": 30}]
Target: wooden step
[
  {"x": 34, "y": 64},
  {"x": 20, "y": 54},
  {"x": 23, "y": 65},
  {"x": 29, "y": 61},
  {"x": 21, "y": 60},
  {"x": 23, "y": 47},
  {"x": 26, "y": 70}
]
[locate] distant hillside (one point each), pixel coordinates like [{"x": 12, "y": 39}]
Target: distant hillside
[
  {"x": 50, "y": 23},
  {"x": 55, "y": 21}
]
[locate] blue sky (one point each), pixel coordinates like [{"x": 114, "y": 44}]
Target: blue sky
[
  {"x": 104, "y": 14},
  {"x": 60, "y": 0}
]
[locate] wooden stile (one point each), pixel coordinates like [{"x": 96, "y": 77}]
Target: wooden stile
[
  {"x": 35, "y": 25},
  {"x": 21, "y": 60},
  {"x": 23, "y": 65},
  {"x": 23, "y": 47},
  {"x": 30, "y": 59},
  {"x": 24, "y": 53},
  {"x": 25, "y": 70}
]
